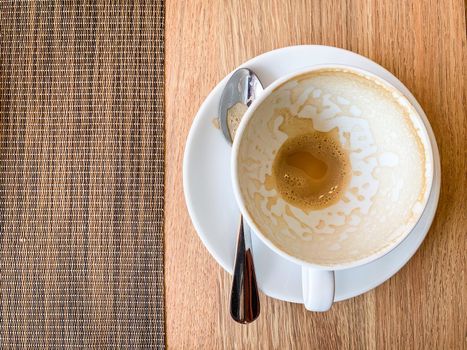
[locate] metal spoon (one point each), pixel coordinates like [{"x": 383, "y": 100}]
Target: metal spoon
[{"x": 243, "y": 86}]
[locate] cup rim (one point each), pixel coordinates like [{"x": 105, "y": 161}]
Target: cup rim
[{"x": 236, "y": 185}]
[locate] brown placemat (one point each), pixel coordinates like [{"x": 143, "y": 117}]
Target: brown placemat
[{"x": 81, "y": 174}]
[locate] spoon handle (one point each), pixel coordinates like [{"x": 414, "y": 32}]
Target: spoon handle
[{"x": 244, "y": 298}]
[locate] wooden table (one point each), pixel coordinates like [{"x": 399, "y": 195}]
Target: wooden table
[{"x": 424, "y": 44}]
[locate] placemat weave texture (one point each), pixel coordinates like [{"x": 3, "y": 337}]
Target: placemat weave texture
[{"x": 81, "y": 174}]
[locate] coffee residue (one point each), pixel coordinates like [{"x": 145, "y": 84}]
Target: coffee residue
[
  {"x": 311, "y": 170},
  {"x": 216, "y": 123},
  {"x": 234, "y": 115}
]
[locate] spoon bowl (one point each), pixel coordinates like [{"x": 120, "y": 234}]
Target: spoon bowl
[{"x": 244, "y": 87}]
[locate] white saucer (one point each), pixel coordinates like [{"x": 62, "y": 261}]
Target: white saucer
[{"x": 211, "y": 203}]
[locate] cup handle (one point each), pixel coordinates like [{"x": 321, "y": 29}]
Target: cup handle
[{"x": 318, "y": 289}]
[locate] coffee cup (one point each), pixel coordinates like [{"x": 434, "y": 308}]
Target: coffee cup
[{"x": 332, "y": 167}]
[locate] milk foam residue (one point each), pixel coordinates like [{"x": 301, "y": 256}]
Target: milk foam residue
[{"x": 293, "y": 109}]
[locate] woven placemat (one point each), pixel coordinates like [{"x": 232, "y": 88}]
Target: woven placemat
[{"x": 82, "y": 174}]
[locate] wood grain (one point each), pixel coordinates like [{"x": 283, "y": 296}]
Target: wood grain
[{"x": 424, "y": 44}]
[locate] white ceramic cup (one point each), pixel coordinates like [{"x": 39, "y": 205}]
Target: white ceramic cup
[{"x": 318, "y": 278}]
